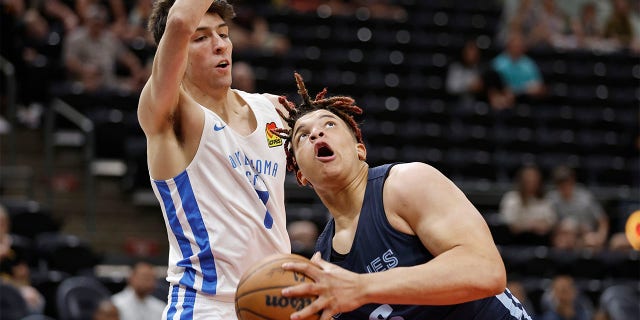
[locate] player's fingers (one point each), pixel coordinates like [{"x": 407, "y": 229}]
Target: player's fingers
[
  {"x": 303, "y": 289},
  {"x": 302, "y": 267},
  {"x": 316, "y": 257},
  {"x": 310, "y": 310}
]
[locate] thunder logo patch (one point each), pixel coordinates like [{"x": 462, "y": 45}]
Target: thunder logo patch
[{"x": 272, "y": 139}]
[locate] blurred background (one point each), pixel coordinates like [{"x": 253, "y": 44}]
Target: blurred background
[{"x": 530, "y": 106}]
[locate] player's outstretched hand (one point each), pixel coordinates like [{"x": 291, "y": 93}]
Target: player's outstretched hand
[{"x": 338, "y": 289}]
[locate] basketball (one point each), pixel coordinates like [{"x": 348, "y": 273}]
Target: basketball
[
  {"x": 632, "y": 230},
  {"x": 259, "y": 296}
]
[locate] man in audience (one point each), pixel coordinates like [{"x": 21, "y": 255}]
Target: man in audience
[
  {"x": 135, "y": 302},
  {"x": 574, "y": 202}
]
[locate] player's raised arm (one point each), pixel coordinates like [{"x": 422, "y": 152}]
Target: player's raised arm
[{"x": 160, "y": 96}]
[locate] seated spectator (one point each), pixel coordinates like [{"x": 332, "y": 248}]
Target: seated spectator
[
  {"x": 618, "y": 26},
  {"x": 243, "y": 77},
  {"x": 106, "y": 310},
  {"x": 61, "y": 13},
  {"x": 464, "y": 76},
  {"x": 91, "y": 54},
  {"x": 565, "y": 235},
  {"x": 136, "y": 301},
  {"x": 250, "y": 32},
  {"x": 620, "y": 302},
  {"x": 518, "y": 291},
  {"x": 563, "y": 301},
  {"x": 529, "y": 215},
  {"x": 303, "y": 235},
  {"x": 519, "y": 72},
  {"x": 587, "y": 28},
  {"x": 383, "y": 9},
  {"x": 5, "y": 237},
  {"x": 469, "y": 79},
  {"x": 574, "y": 202}
]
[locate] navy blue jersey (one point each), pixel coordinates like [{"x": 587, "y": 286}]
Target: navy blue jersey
[{"x": 377, "y": 246}]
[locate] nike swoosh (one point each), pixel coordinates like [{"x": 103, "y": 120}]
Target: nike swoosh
[{"x": 216, "y": 128}]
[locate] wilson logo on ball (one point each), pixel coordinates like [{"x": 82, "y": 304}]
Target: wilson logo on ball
[{"x": 285, "y": 302}]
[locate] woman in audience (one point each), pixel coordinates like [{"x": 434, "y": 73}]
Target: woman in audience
[{"x": 529, "y": 215}]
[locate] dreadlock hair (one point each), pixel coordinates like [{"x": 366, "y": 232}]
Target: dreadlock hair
[{"x": 341, "y": 106}]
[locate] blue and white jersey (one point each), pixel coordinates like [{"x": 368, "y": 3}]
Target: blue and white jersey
[
  {"x": 377, "y": 246},
  {"x": 225, "y": 211}
]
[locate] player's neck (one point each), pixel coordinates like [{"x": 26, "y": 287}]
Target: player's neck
[{"x": 346, "y": 201}]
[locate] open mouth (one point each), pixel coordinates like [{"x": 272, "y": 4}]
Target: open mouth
[
  {"x": 223, "y": 64},
  {"x": 323, "y": 150}
]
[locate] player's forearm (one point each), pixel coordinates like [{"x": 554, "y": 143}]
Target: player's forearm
[
  {"x": 187, "y": 13},
  {"x": 456, "y": 276}
]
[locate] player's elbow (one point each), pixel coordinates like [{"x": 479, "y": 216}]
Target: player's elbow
[
  {"x": 494, "y": 280},
  {"x": 179, "y": 22}
]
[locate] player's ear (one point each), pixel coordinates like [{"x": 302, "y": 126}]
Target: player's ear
[
  {"x": 301, "y": 179},
  {"x": 362, "y": 151}
]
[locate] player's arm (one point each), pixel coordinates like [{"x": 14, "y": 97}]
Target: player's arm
[
  {"x": 159, "y": 98},
  {"x": 467, "y": 265}
]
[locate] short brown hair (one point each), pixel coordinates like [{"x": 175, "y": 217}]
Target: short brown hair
[{"x": 158, "y": 18}]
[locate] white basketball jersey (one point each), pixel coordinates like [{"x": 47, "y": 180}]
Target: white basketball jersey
[{"x": 226, "y": 210}]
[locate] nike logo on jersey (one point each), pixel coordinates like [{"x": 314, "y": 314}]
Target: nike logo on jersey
[{"x": 218, "y": 128}]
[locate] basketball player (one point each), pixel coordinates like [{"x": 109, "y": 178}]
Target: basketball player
[
  {"x": 404, "y": 241},
  {"x": 215, "y": 167}
]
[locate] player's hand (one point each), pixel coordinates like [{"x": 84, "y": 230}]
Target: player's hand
[{"x": 338, "y": 290}]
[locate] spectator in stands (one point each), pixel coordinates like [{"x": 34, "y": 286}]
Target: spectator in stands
[
  {"x": 565, "y": 235},
  {"x": 383, "y": 9},
  {"x": 517, "y": 289},
  {"x": 61, "y": 13},
  {"x": 574, "y": 202},
  {"x": 14, "y": 268},
  {"x": 618, "y": 26},
  {"x": 620, "y": 302},
  {"x": 20, "y": 277},
  {"x": 5, "y": 238},
  {"x": 303, "y": 235},
  {"x": 250, "y": 32},
  {"x": 91, "y": 54},
  {"x": 464, "y": 76},
  {"x": 586, "y": 27},
  {"x": 106, "y": 310},
  {"x": 553, "y": 26},
  {"x": 519, "y": 72},
  {"x": 136, "y": 301},
  {"x": 468, "y": 78},
  {"x": 39, "y": 56},
  {"x": 528, "y": 213},
  {"x": 243, "y": 77},
  {"x": 564, "y": 302},
  {"x": 541, "y": 23}
]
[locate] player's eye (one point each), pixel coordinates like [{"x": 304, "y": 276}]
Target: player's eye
[
  {"x": 302, "y": 136},
  {"x": 200, "y": 38},
  {"x": 223, "y": 35},
  {"x": 330, "y": 124}
]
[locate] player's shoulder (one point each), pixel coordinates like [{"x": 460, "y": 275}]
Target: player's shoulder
[{"x": 412, "y": 170}]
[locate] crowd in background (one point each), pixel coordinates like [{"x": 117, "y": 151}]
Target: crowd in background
[{"x": 101, "y": 48}]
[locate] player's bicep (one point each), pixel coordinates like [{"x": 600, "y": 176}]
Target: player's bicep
[
  {"x": 438, "y": 212},
  {"x": 160, "y": 95}
]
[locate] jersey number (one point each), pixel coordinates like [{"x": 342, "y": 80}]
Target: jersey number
[{"x": 382, "y": 313}]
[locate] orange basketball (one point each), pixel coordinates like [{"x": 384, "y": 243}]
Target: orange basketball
[
  {"x": 632, "y": 230},
  {"x": 259, "y": 296}
]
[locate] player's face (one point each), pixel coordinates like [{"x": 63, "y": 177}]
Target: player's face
[
  {"x": 210, "y": 47},
  {"x": 325, "y": 148}
]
